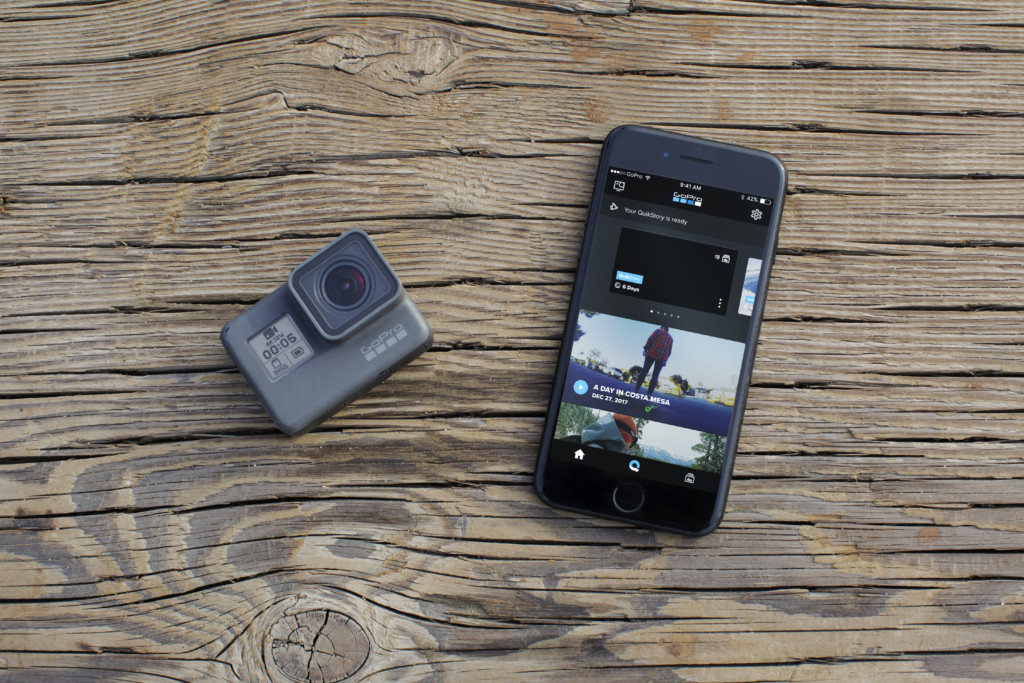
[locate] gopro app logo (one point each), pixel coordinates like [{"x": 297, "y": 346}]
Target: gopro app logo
[
  {"x": 687, "y": 199},
  {"x": 384, "y": 341}
]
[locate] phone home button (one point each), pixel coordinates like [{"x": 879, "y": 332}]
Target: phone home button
[{"x": 628, "y": 497}]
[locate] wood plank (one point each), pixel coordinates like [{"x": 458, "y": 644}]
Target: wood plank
[
  {"x": 825, "y": 284},
  {"x": 275, "y": 128},
  {"x": 901, "y": 211},
  {"x": 177, "y": 406},
  {"x": 484, "y": 454},
  {"x": 197, "y": 25}
]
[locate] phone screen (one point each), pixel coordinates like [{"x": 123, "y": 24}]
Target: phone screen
[{"x": 659, "y": 337}]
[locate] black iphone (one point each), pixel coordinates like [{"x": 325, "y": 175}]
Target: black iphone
[{"x": 652, "y": 377}]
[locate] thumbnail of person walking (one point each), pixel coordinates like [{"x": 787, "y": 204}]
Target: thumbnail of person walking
[{"x": 653, "y": 372}]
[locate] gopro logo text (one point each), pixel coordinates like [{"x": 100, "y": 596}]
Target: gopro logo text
[{"x": 384, "y": 340}]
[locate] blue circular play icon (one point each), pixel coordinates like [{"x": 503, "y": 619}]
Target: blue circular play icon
[{"x": 580, "y": 387}]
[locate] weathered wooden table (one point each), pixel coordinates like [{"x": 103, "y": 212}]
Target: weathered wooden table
[{"x": 165, "y": 163}]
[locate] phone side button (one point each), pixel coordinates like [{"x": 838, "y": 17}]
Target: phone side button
[{"x": 628, "y": 497}]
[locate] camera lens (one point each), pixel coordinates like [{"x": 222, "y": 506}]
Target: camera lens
[{"x": 344, "y": 286}]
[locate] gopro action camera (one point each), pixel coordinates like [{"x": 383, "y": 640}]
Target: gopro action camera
[{"x": 340, "y": 326}]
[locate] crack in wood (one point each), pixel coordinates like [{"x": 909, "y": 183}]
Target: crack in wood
[{"x": 156, "y": 54}]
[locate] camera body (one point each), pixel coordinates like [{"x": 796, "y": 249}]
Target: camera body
[{"x": 341, "y": 325}]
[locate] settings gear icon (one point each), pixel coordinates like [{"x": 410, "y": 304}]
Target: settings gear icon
[{"x": 756, "y": 214}]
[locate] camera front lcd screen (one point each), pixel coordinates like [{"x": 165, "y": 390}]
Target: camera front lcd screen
[{"x": 280, "y": 347}]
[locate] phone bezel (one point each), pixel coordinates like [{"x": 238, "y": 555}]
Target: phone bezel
[{"x": 683, "y": 157}]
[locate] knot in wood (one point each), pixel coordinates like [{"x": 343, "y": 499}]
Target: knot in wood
[{"x": 318, "y": 646}]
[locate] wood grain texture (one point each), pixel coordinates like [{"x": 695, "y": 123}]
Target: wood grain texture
[{"x": 165, "y": 163}]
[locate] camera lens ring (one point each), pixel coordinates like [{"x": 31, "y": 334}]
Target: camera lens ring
[{"x": 344, "y": 285}]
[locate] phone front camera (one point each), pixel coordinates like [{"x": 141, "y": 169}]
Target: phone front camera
[
  {"x": 344, "y": 286},
  {"x": 665, "y": 154}
]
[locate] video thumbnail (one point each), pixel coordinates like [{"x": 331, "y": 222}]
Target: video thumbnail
[
  {"x": 640, "y": 437},
  {"x": 673, "y": 271},
  {"x": 750, "y": 279},
  {"x": 653, "y": 372}
]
